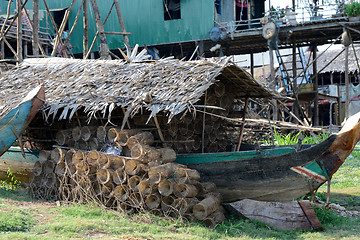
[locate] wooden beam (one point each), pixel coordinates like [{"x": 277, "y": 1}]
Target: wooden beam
[
  {"x": 242, "y": 125},
  {"x": 316, "y": 86},
  {"x": 104, "y": 48},
  {"x": 61, "y": 29},
  {"x": 118, "y": 33},
  {"x": 86, "y": 29},
  {"x": 97, "y": 34},
  {"x": 52, "y": 21},
  {"x": 122, "y": 24},
  {"x": 35, "y": 28},
  {"x": 347, "y": 84}
]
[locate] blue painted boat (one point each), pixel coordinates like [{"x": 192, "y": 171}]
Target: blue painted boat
[{"x": 13, "y": 124}]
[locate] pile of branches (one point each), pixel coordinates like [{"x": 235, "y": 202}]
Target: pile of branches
[{"x": 142, "y": 178}]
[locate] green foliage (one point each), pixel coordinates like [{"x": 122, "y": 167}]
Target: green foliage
[
  {"x": 326, "y": 216},
  {"x": 290, "y": 139},
  {"x": 10, "y": 183},
  {"x": 352, "y": 9},
  {"x": 15, "y": 221}
]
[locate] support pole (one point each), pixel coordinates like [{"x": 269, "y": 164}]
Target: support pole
[
  {"x": 294, "y": 80},
  {"x": 347, "y": 84},
  {"x": 35, "y": 32},
  {"x": 122, "y": 24},
  {"x": 272, "y": 77},
  {"x": 242, "y": 125},
  {"x": 104, "y": 48},
  {"x": 19, "y": 48},
  {"x": 86, "y": 29},
  {"x": 252, "y": 64},
  {"x": 316, "y": 86}
]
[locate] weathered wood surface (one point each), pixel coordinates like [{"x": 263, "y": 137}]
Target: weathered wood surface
[{"x": 278, "y": 215}]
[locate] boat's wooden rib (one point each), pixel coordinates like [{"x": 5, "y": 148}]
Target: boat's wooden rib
[{"x": 276, "y": 176}]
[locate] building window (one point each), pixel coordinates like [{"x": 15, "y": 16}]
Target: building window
[{"x": 172, "y": 9}]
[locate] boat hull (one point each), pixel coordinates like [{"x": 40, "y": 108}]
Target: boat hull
[{"x": 21, "y": 167}]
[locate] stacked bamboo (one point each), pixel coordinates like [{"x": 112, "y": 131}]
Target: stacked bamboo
[
  {"x": 85, "y": 138},
  {"x": 146, "y": 179}
]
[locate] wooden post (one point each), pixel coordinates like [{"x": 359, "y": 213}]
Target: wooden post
[
  {"x": 35, "y": 32},
  {"x": 2, "y": 49},
  {"x": 19, "y": 48},
  {"x": 86, "y": 29},
  {"x": 242, "y": 125},
  {"x": 203, "y": 125},
  {"x": 252, "y": 64},
  {"x": 347, "y": 84},
  {"x": 104, "y": 48},
  {"x": 294, "y": 81},
  {"x": 316, "y": 86},
  {"x": 272, "y": 77},
  {"x": 61, "y": 29},
  {"x": 122, "y": 25}
]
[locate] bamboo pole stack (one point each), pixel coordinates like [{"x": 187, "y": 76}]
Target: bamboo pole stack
[{"x": 148, "y": 179}]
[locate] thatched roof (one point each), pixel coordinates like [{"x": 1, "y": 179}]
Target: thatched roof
[{"x": 101, "y": 85}]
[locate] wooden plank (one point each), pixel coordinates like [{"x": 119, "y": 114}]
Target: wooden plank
[
  {"x": 310, "y": 214},
  {"x": 19, "y": 40},
  {"x": 118, "y": 33},
  {"x": 278, "y": 215}
]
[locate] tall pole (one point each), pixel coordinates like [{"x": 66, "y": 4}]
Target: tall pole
[
  {"x": 316, "y": 86},
  {"x": 272, "y": 77},
  {"x": 86, "y": 29},
  {"x": 35, "y": 32},
  {"x": 19, "y": 30},
  {"x": 104, "y": 48},
  {"x": 347, "y": 90},
  {"x": 122, "y": 24}
]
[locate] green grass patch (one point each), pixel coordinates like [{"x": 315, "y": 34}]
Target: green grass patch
[{"x": 15, "y": 221}]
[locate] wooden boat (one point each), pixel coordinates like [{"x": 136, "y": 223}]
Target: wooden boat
[
  {"x": 282, "y": 174},
  {"x": 14, "y": 123},
  {"x": 19, "y": 165}
]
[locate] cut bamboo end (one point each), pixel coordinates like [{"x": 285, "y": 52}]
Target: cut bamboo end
[
  {"x": 133, "y": 167},
  {"x": 87, "y": 132},
  {"x": 121, "y": 192},
  {"x": 113, "y": 135},
  {"x": 92, "y": 157},
  {"x": 103, "y": 176},
  {"x": 64, "y": 137},
  {"x": 215, "y": 218},
  {"x": 182, "y": 190},
  {"x": 103, "y": 161},
  {"x": 78, "y": 156},
  {"x": 58, "y": 155},
  {"x": 167, "y": 155},
  {"x": 153, "y": 201},
  {"x": 82, "y": 168},
  {"x": 144, "y": 138},
  {"x": 167, "y": 202},
  {"x": 165, "y": 170},
  {"x": 44, "y": 156},
  {"x": 116, "y": 162},
  {"x": 69, "y": 155},
  {"x": 119, "y": 176},
  {"x": 145, "y": 153},
  {"x": 124, "y": 135},
  {"x": 83, "y": 145},
  {"x": 101, "y": 134},
  {"x": 76, "y": 133},
  {"x": 71, "y": 169},
  {"x": 185, "y": 175},
  {"x": 107, "y": 189},
  {"x": 60, "y": 169},
  {"x": 166, "y": 187},
  {"x": 48, "y": 167},
  {"x": 206, "y": 207},
  {"x": 96, "y": 188},
  {"x": 50, "y": 180},
  {"x": 38, "y": 168},
  {"x": 133, "y": 183},
  {"x": 94, "y": 144},
  {"x": 146, "y": 188},
  {"x": 184, "y": 205}
]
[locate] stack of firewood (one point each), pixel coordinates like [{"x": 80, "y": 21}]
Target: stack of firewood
[{"x": 141, "y": 178}]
